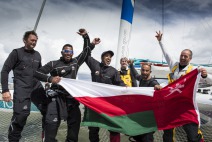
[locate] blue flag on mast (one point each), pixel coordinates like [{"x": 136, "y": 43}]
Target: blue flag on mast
[{"x": 125, "y": 30}]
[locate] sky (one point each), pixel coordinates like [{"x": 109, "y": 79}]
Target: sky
[{"x": 186, "y": 24}]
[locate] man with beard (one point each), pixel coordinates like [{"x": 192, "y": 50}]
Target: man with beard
[
  {"x": 145, "y": 80},
  {"x": 61, "y": 105},
  {"x": 102, "y": 72}
]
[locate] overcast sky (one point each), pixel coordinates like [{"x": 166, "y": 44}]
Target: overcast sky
[{"x": 187, "y": 24}]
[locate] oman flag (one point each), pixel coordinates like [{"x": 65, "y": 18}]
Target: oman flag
[{"x": 137, "y": 110}]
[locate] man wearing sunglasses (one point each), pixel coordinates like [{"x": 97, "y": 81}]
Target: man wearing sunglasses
[{"x": 62, "y": 106}]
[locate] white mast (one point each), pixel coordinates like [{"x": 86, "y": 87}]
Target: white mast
[{"x": 124, "y": 30}]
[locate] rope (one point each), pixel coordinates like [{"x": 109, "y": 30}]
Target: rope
[
  {"x": 39, "y": 15},
  {"x": 162, "y": 16}
]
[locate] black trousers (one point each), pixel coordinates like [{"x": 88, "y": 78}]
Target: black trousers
[
  {"x": 93, "y": 134},
  {"x": 169, "y": 135},
  {"x": 191, "y": 130},
  {"x": 53, "y": 120},
  {"x": 148, "y": 137},
  {"x": 21, "y": 111}
]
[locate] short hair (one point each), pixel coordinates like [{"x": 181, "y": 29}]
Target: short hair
[
  {"x": 191, "y": 53},
  {"x": 147, "y": 64},
  {"x": 123, "y": 58},
  {"x": 69, "y": 45},
  {"x": 27, "y": 33}
]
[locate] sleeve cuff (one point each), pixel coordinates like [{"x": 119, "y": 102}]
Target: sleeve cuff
[
  {"x": 5, "y": 90},
  {"x": 49, "y": 79}
]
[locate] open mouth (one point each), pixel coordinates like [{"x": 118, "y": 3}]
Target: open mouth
[
  {"x": 67, "y": 57},
  {"x": 107, "y": 62}
]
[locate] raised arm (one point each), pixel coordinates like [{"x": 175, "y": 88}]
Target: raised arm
[
  {"x": 170, "y": 60},
  {"x": 133, "y": 70},
  {"x": 87, "y": 47}
]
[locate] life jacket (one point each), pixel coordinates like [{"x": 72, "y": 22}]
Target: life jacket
[
  {"x": 126, "y": 78},
  {"x": 170, "y": 75}
]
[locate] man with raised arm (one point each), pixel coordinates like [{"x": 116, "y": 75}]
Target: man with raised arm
[
  {"x": 102, "y": 72},
  {"x": 61, "y": 105},
  {"x": 178, "y": 69}
]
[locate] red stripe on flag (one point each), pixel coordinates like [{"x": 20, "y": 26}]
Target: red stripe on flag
[{"x": 118, "y": 105}]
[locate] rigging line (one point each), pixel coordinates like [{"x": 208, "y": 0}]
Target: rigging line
[
  {"x": 39, "y": 15},
  {"x": 162, "y": 16},
  {"x": 210, "y": 59},
  {"x": 205, "y": 25},
  {"x": 162, "y": 12}
]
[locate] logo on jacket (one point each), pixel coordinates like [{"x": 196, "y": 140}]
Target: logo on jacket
[
  {"x": 97, "y": 73},
  {"x": 55, "y": 119},
  {"x": 63, "y": 71},
  {"x": 25, "y": 107},
  {"x": 73, "y": 68}
]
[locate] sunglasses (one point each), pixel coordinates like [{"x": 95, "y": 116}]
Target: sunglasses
[{"x": 68, "y": 51}]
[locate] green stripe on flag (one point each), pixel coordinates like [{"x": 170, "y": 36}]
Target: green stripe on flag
[{"x": 131, "y": 124}]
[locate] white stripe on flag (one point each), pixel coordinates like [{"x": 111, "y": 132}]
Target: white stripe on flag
[{"x": 79, "y": 88}]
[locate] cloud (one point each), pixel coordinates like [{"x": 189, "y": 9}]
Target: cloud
[{"x": 187, "y": 24}]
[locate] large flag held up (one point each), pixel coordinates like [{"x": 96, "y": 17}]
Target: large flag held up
[{"x": 137, "y": 110}]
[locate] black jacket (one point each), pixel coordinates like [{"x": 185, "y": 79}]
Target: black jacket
[
  {"x": 103, "y": 74},
  {"x": 62, "y": 68},
  {"x": 23, "y": 63},
  {"x": 143, "y": 83}
]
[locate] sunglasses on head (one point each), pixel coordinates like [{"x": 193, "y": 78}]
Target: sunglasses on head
[{"x": 68, "y": 51}]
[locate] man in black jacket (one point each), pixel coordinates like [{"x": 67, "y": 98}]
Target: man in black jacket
[
  {"x": 24, "y": 62},
  {"x": 102, "y": 72},
  {"x": 61, "y": 105},
  {"x": 145, "y": 80}
]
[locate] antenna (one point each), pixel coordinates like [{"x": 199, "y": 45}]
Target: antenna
[{"x": 39, "y": 15}]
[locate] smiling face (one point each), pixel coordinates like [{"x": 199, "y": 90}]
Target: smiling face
[
  {"x": 106, "y": 59},
  {"x": 67, "y": 53},
  {"x": 185, "y": 57},
  {"x": 30, "y": 42},
  {"x": 145, "y": 72}
]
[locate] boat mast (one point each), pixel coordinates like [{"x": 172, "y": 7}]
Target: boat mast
[
  {"x": 124, "y": 30},
  {"x": 39, "y": 15}
]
